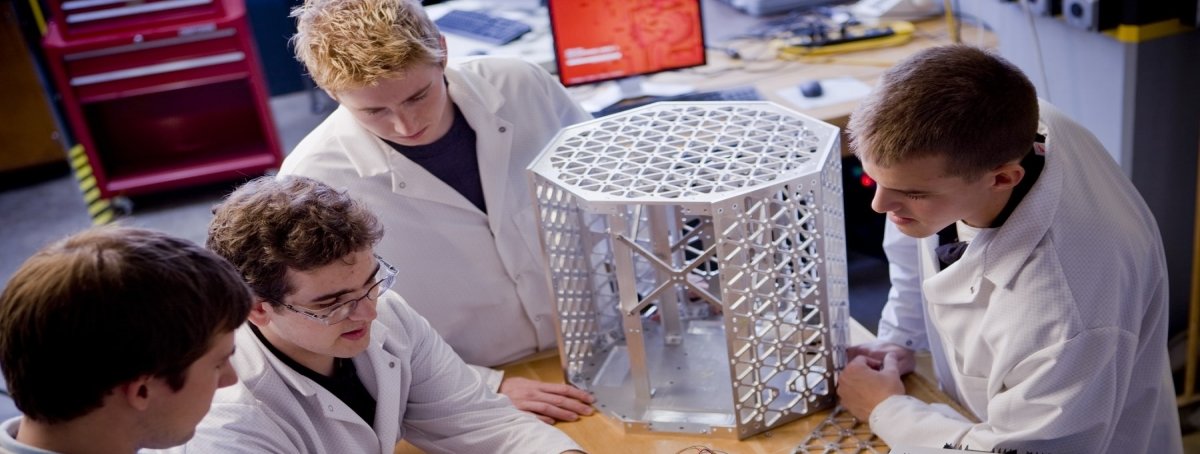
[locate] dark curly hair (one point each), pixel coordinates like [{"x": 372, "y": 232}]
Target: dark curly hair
[{"x": 271, "y": 224}]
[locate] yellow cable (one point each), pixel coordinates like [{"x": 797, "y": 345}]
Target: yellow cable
[
  {"x": 901, "y": 33},
  {"x": 951, "y": 22}
]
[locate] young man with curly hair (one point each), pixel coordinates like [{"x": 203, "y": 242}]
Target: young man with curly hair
[{"x": 332, "y": 359}]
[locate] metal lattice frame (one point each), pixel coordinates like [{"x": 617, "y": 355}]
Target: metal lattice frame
[
  {"x": 697, "y": 257},
  {"x": 841, "y": 432}
]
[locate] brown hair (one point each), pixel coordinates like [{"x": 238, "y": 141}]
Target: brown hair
[
  {"x": 269, "y": 225},
  {"x": 957, "y": 101},
  {"x": 105, "y": 307},
  {"x": 348, "y": 44}
]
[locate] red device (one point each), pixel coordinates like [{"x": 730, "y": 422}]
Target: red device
[{"x": 162, "y": 93}]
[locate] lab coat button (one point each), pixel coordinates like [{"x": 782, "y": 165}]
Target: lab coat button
[
  {"x": 503, "y": 129},
  {"x": 401, "y": 185},
  {"x": 391, "y": 364},
  {"x": 330, "y": 408}
]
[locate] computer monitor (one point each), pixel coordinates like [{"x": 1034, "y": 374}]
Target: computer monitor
[{"x": 622, "y": 40}]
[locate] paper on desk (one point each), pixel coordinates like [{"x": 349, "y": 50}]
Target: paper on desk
[{"x": 835, "y": 90}]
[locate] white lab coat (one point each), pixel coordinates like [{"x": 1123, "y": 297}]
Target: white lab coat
[
  {"x": 423, "y": 391},
  {"x": 480, "y": 279},
  {"x": 8, "y": 439},
  {"x": 1052, "y": 329}
]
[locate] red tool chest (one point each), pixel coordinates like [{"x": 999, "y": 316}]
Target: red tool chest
[{"x": 161, "y": 93}]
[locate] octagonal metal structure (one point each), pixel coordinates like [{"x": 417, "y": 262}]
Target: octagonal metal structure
[{"x": 697, "y": 256}]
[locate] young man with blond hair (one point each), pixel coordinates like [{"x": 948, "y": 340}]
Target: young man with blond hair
[
  {"x": 438, "y": 151},
  {"x": 332, "y": 360},
  {"x": 1021, "y": 257},
  {"x": 114, "y": 340}
]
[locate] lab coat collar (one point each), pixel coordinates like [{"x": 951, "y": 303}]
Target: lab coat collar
[
  {"x": 378, "y": 367},
  {"x": 958, "y": 283},
  {"x": 467, "y": 86},
  {"x": 1015, "y": 241},
  {"x": 479, "y": 102},
  {"x": 267, "y": 360},
  {"x": 997, "y": 255},
  {"x": 334, "y": 407}
]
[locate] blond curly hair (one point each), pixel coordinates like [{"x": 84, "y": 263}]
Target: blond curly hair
[{"x": 348, "y": 44}]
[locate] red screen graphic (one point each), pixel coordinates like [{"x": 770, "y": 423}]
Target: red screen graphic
[{"x": 598, "y": 40}]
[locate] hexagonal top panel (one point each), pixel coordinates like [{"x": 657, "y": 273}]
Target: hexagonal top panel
[{"x": 684, "y": 151}]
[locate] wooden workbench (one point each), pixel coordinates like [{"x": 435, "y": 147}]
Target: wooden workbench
[{"x": 599, "y": 434}]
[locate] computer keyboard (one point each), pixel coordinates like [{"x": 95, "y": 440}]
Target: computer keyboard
[
  {"x": 742, "y": 93},
  {"x": 482, "y": 26}
]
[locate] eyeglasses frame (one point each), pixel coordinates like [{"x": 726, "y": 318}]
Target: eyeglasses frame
[{"x": 383, "y": 284}]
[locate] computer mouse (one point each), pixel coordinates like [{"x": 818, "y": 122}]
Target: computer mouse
[{"x": 812, "y": 89}]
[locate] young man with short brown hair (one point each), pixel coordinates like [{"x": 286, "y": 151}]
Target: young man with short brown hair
[
  {"x": 1021, "y": 257},
  {"x": 114, "y": 340}
]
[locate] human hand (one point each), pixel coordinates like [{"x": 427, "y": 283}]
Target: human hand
[
  {"x": 550, "y": 402},
  {"x": 698, "y": 291},
  {"x": 865, "y": 382},
  {"x": 906, "y": 360}
]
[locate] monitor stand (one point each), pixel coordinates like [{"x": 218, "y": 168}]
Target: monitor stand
[{"x": 628, "y": 88}]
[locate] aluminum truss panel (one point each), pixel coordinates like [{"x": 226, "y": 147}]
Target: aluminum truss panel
[{"x": 697, "y": 257}]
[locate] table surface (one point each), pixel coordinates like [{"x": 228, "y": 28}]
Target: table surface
[{"x": 599, "y": 434}]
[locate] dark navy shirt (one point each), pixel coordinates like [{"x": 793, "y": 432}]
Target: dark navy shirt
[
  {"x": 452, "y": 159},
  {"x": 344, "y": 383}
]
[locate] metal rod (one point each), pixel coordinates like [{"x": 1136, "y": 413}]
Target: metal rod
[
  {"x": 631, "y": 320},
  {"x": 666, "y": 229}
]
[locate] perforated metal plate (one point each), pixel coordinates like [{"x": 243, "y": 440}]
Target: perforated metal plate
[
  {"x": 841, "y": 432},
  {"x": 697, "y": 256}
]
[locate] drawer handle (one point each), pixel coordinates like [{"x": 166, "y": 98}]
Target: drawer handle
[
  {"x": 80, "y": 4},
  {"x": 157, "y": 69},
  {"x": 131, "y": 10},
  {"x": 139, "y": 45}
]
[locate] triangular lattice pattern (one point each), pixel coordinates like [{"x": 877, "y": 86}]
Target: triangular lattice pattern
[
  {"x": 841, "y": 432},
  {"x": 680, "y": 151},
  {"x": 697, "y": 258},
  {"x": 782, "y": 368},
  {"x": 568, "y": 262}
]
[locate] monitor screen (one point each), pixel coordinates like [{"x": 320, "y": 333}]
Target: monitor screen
[{"x": 599, "y": 40}]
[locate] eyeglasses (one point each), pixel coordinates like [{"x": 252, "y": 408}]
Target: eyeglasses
[{"x": 385, "y": 276}]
